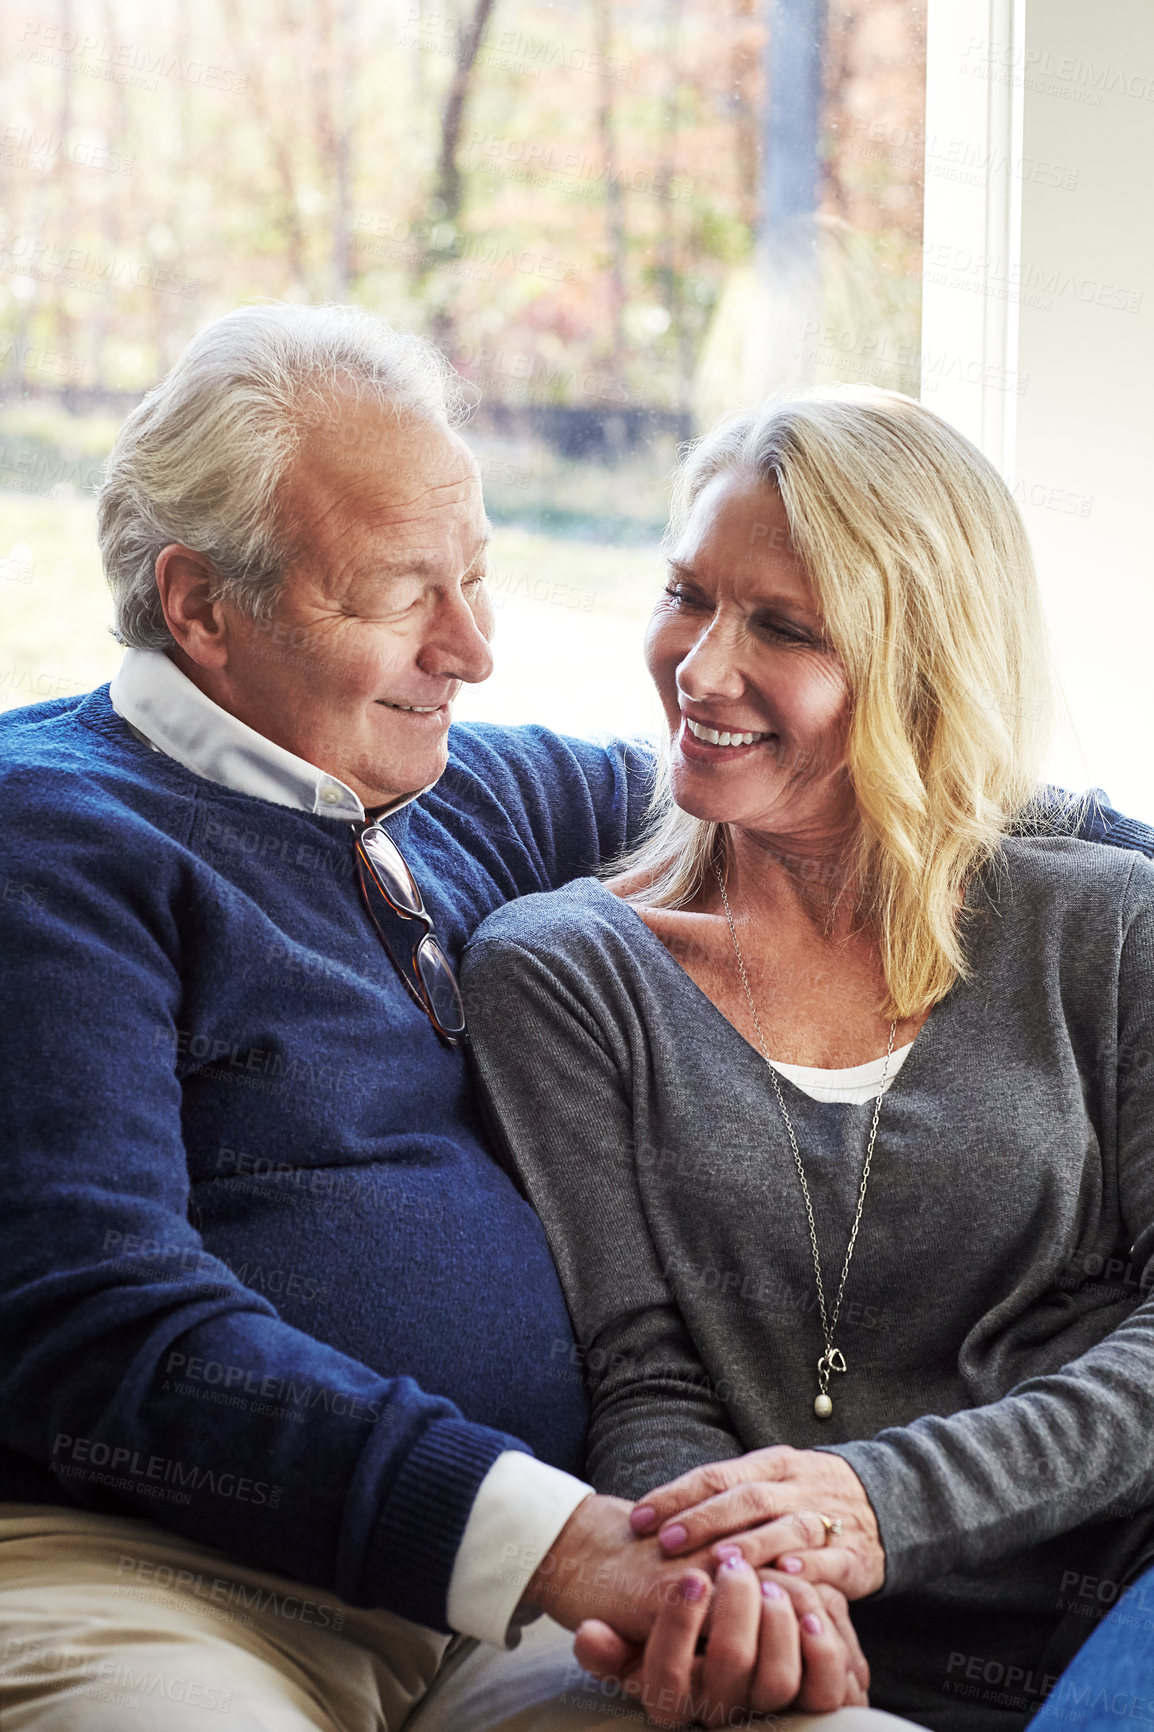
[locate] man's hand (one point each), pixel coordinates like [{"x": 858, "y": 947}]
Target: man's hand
[
  {"x": 598, "y": 1568},
  {"x": 771, "y": 1502},
  {"x": 759, "y": 1645},
  {"x": 765, "y": 1645}
]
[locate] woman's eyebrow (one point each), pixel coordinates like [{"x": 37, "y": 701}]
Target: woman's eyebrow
[{"x": 798, "y": 612}]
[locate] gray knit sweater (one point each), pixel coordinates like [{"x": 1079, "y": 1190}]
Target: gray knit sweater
[{"x": 999, "y": 1402}]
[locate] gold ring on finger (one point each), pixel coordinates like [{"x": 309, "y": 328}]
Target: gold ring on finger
[{"x": 832, "y": 1525}]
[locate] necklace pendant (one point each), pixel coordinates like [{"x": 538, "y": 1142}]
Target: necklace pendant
[{"x": 831, "y": 1360}]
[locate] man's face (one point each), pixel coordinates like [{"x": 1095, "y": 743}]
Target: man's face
[{"x": 383, "y": 614}]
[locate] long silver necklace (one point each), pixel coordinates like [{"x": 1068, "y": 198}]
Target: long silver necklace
[{"x": 833, "y": 1359}]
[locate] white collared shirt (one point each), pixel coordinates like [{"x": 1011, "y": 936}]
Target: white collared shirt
[
  {"x": 175, "y": 716},
  {"x": 522, "y": 1504}
]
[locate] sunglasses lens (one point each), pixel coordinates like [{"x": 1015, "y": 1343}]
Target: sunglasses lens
[
  {"x": 441, "y": 985},
  {"x": 398, "y": 881}
]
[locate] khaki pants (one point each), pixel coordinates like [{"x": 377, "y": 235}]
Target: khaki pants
[{"x": 113, "y": 1624}]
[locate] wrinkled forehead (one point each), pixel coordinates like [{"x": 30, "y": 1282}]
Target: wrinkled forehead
[
  {"x": 368, "y": 472},
  {"x": 737, "y": 534},
  {"x": 348, "y": 440}
]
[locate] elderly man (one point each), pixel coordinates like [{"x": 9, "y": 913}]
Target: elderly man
[
  {"x": 291, "y": 1391},
  {"x": 292, "y": 1414}
]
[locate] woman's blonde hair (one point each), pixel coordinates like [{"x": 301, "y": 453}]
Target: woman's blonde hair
[{"x": 921, "y": 567}]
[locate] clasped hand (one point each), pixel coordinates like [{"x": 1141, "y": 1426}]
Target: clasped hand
[
  {"x": 688, "y": 1617},
  {"x": 771, "y": 1502},
  {"x": 748, "y": 1643}
]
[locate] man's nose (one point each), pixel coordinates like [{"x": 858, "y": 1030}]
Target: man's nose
[{"x": 455, "y": 646}]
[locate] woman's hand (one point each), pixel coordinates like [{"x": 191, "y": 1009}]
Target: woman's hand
[
  {"x": 744, "y": 1643},
  {"x": 771, "y": 1503}
]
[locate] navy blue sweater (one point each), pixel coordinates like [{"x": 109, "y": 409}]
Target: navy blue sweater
[{"x": 260, "y": 1277}]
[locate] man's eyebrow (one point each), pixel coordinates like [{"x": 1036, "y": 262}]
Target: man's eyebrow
[
  {"x": 481, "y": 546},
  {"x": 420, "y": 565}
]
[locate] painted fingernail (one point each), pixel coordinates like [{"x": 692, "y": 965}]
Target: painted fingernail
[
  {"x": 692, "y": 1589},
  {"x": 791, "y": 1566},
  {"x": 642, "y": 1518},
  {"x": 771, "y": 1591},
  {"x": 812, "y": 1624},
  {"x": 735, "y": 1562},
  {"x": 725, "y": 1552},
  {"x": 674, "y": 1538}
]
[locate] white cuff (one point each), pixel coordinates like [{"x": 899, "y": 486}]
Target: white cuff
[{"x": 520, "y": 1507}]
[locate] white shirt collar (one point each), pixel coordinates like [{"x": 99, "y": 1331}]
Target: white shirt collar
[{"x": 150, "y": 692}]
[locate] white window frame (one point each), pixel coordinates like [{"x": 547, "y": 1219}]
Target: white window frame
[{"x": 1038, "y": 329}]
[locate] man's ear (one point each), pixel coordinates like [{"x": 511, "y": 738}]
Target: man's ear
[{"x": 187, "y": 582}]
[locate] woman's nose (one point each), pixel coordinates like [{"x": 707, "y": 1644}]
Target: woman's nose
[{"x": 712, "y": 666}]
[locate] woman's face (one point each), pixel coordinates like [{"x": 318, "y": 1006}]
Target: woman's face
[{"x": 736, "y": 647}]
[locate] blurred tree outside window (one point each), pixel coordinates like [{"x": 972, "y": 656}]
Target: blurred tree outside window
[{"x": 620, "y": 218}]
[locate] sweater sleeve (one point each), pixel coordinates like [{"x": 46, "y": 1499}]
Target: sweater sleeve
[
  {"x": 108, "y": 1296},
  {"x": 556, "y": 807},
  {"x": 1098, "y": 821},
  {"x": 558, "y": 1099},
  {"x": 1060, "y": 1450}
]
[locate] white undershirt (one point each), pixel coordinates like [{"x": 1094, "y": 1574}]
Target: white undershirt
[{"x": 855, "y": 1084}]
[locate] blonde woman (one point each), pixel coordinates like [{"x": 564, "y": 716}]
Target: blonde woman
[{"x": 837, "y": 1097}]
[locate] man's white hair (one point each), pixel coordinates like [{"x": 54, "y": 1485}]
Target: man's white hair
[{"x": 202, "y": 458}]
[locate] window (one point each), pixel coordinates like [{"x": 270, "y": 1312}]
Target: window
[
  {"x": 571, "y": 198},
  {"x": 1038, "y": 329}
]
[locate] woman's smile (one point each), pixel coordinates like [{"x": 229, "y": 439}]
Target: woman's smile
[{"x": 714, "y": 740}]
